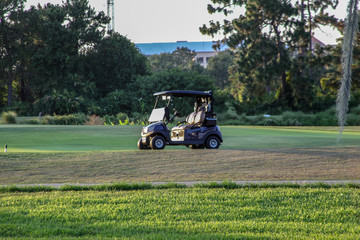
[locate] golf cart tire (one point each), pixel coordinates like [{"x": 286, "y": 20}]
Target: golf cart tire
[
  {"x": 212, "y": 142},
  {"x": 141, "y": 146},
  {"x": 157, "y": 143}
]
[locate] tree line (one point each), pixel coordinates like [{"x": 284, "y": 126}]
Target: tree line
[
  {"x": 59, "y": 59},
  {"x": 276, "y": 65}
]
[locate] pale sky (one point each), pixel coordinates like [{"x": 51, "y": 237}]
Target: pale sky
[{"x": 146, "y": 21}]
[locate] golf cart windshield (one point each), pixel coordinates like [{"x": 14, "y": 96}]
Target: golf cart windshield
[{"x": 159, "y": 114}]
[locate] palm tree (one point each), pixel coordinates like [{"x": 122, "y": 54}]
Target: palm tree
[{"x": 351, "y": 29}]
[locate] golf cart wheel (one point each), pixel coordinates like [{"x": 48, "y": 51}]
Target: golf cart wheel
[
  {"x": 157, "y": 143},
  {"x": 141, "y": 146},
  {"x": 212, "y": 142}
]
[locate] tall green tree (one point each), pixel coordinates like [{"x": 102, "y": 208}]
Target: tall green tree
[
  {"x": 218, "y": 67},
  {"x": 274, "y": 53},
  {"x": 330, "y": 60},
  {"x": 10, "y": 33},
  {"x": 180, "y": 58},
  {"x": 114, "y": 64},
  {"x": 65, "y": 33},
  {"x": 57, "y": 57},
  {"x": 262, "y": 37},
  {"x": 313, "y": 15}
]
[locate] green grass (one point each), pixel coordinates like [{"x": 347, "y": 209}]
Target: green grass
[
  {"x": 48, "y": 138},
  {"x": 107, "y": 154},
  {"x": 287, "y": 137},
  {"x": 190, "y": 213}
]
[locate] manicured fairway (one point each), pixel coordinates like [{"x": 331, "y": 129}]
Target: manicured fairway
[
  {"x": 195, "y": 213},
  {"x": 106, "y": 154},
  {"x": 48, "y": 138}
]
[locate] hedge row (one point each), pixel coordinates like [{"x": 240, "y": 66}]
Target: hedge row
[{"x": 326, "y": 118}]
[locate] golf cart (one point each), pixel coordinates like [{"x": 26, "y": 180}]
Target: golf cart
[{"x": 198, "y": 131}]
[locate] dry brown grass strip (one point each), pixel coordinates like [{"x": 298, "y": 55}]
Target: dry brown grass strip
[{"x": 182, "y": 165}]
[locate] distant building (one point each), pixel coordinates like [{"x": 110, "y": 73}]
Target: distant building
[
  {"x": 203, "y": 50},
  {"x": 316, "y": 42}
]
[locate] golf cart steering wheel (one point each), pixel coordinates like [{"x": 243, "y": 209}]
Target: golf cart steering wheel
[{"x": 176, "y": 113}]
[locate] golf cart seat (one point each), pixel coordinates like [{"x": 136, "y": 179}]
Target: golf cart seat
[{"x": 194, "y": 119}]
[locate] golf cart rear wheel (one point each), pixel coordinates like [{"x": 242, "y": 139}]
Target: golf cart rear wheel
[
  {"x": 157, "y": 143},
  {"x": 141, "y": 146},
  {"x": 212, "y": 142}
]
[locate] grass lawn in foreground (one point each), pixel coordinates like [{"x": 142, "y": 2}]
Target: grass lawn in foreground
[
  {"x": 191, "y": 213},
  {"x": 104, "y": 154},
  {"x": 49, "y": 138}
]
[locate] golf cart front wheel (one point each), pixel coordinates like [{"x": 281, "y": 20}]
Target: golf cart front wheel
[
  {"x": 141, "y": 146},
  {"x": 157, "y": 143},
  {"x": 212, "y": 143}
]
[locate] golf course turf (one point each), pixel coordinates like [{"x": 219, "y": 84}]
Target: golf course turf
[
  {"x": 105, "y": 154},
  {"x": 50, "y": 138},
  {"x": 108, "y": 154}
]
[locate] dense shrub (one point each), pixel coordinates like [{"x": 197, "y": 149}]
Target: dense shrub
[
  {"x": 21, "y": 109},
  {"x": 110, "y": 119},
  {"x": 124, "y": 119},
  {"x": 230, "y": 119},
  {"x": 94, "y": 120},
  {"x": 356, "y": 110},
  {"x": 33, "y": 121},
  {"x": 230, "y": 114},
  {"x": 115, "y": 101},
  {"x": 9, "y": 117},
  {"x": 244, "y": 120},
  {"x": 234, "y": 122},
  {"x": 326, "y": 118},
  {"x": 138, "y": 118},
  {"x": 268, "y": 121},
  {"x": 291, "y": 118},
  {"x": 297, "y": 119},
  {"x": 353, "y": 119},
  {"x": 122, "y": 116},
  {"x": 64, "y": 102},
  {"x": 72, "y": 119}
]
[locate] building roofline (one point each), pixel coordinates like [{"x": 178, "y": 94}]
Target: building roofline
[{"x": 168, "y": 47}]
